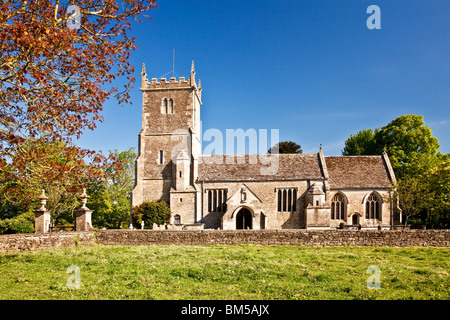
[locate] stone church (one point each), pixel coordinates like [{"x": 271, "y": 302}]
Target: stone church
[{"x": 307, "y": 191}]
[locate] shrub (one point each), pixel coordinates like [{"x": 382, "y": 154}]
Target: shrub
[
  {"x": 23, "y": 223},
  {"x": 151, "y": 212}
]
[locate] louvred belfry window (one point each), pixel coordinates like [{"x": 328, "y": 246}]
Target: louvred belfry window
[
  {"x": 164, "y": 108},
  {"x": 170, "y": 106}
]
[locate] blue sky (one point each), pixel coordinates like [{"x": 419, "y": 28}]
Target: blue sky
[{"x": 310, "y": 68}]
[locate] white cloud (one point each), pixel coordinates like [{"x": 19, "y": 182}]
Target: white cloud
[{"x": 439, "y": 123}]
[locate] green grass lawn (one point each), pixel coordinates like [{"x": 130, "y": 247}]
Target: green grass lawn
[{"x": 226, "y": 272}]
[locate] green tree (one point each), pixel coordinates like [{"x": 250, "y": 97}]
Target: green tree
[
  {"x": 411, "y": 147},
  {"x": 413, "y": 197},
  {"x": 110, "y": 197},
  {"x": 438, "y": 211},
  {"x": 151, "y": 212},
  {"x": 410, "y": 144},
  {"x": 361, "y": 143},
  {"x": 23, "y": 223},
  {"x": 421, "y": 170},
  {"x": 286, "y": 147},
  {"x": 425, "y": 198},
  {"x": 45, "y": 164}
]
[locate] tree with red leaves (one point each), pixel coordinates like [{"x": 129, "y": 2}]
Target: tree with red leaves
[{"x": 58, "y": 63}]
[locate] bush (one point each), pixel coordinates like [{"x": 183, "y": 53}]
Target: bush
[
  {"x": 9, "y": 210},
  {"x": 23, "y": 223},
  {"x": 151, "y": 212}
]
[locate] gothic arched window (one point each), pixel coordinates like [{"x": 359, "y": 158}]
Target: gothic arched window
[
  {"x": 373, "y": 207},
  {"x": 338, "y": 207}
]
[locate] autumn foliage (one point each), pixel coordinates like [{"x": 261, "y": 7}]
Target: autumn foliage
[{"x": 54, "y": 80}]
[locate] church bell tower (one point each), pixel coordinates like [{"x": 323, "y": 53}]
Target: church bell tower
[{"x": 169, "y": 143}]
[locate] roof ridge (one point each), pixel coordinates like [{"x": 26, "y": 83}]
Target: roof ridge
[
  {"x": 360, "y": 156},
  {"x": 257, "y": 154}
]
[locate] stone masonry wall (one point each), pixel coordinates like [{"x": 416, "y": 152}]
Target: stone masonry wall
[
  {"x": 438, "y": 238},
  {"x": 407, "y": 238},
  {"x": 42, "y": 241}
]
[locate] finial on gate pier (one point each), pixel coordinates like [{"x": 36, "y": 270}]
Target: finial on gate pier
[
  {"x": 43, "y": 201},
  {"x": 84, "y": 198}
]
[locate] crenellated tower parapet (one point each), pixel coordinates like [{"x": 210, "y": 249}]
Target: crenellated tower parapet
[{"x": 171, "y": 83}]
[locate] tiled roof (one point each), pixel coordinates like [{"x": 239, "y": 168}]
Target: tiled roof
[
  {"x": 285, "y": 167},
  {"x": 343, "y": 171},
  {"x": 357, "y": 172}
]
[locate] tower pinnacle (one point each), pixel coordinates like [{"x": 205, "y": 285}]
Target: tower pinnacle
[
  {"x": 144, "y": 75},
  {"x": 192, "y": 83}
]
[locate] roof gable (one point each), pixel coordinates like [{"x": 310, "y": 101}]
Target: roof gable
[{"x": 244, "y": 196}]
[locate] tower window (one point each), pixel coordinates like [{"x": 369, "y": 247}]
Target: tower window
[
  {"x": 167, "y": 106},
  {"x": 170, "y": 106},
  {"x": 164, "y": 108},
  {"x": 161, "y": 157}
]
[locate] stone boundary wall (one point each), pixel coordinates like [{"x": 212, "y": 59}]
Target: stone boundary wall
[
  {"x": 324, "y": 238},
  {"x": 42, "y": 241},
  {"x": 396, "y": 238}
]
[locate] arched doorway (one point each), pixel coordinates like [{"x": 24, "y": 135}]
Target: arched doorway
[
  {"x": 355, "y": 219},
  {"x": 244, "y": 219}
]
